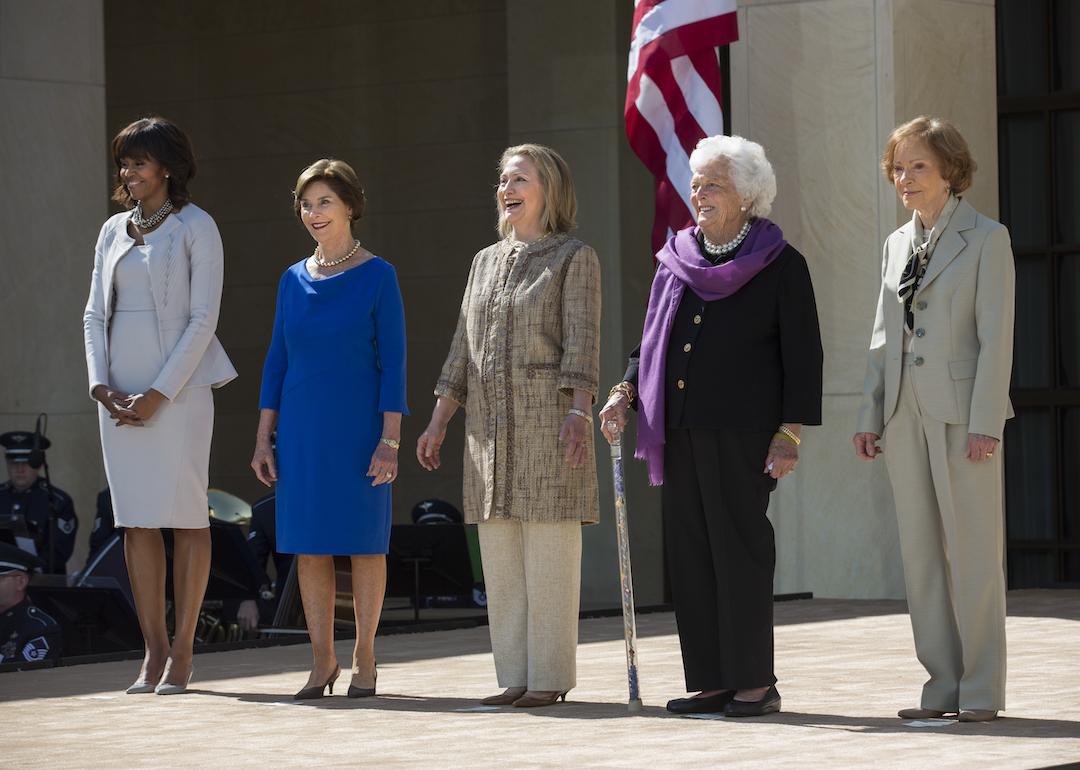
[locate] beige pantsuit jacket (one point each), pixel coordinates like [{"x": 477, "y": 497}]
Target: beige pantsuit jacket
[{"x": 963, "y": 327}]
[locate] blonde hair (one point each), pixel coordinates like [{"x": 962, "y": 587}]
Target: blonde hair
[
  {"x": 339, "y": 177},
  {"x": 945, "y": 142},
  {"x": 560, "y": 200}
]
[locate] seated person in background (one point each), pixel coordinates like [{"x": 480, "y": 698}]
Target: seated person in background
[
  {"x": 26, "y": 495},
  {"x": 26, "y": 632},
  {"x": 262, "y": 538},
  {"x": 104, "y": 523}
]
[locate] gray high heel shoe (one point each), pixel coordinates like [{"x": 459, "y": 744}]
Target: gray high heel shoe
[{"x": 167, "y": 688}]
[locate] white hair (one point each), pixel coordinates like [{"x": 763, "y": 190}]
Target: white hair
[{"x": 747, "y": 166}]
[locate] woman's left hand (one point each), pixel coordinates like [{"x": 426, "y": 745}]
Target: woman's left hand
[
  {"x": 980, "y": 447},
  {"x": 383, "y": 468},
  {"x": 782, "y": 458},
  {"x": 573, "y": 434},
  {"x": 144, "y": 405}
]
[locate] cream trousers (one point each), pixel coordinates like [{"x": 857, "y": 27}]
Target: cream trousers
[
  {"x": 532, "y": 573},
  {"x": 951, "y": 520}
]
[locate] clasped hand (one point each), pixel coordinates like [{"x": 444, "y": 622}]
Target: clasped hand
[{"x": 129, "y": 409}]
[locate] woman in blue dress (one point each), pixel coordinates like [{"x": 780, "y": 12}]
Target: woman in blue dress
[{"x": 334, "y": 387}]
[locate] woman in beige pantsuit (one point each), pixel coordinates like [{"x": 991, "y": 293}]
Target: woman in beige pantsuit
[
  {"x": 937, "y": 395},
  {"x": 524, "y": 362}
]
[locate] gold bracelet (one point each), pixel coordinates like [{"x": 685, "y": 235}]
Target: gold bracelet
[
  {"x": 789, "y": 434},
  {"x": 582, "y": 414},
  {"x": 392, "y": 443},
  {"x": 624, "y": 388}
]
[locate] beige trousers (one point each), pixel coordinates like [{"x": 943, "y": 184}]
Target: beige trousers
[
  {"x": 532, "y": 573},
  {"x": 950, "y": 516}
]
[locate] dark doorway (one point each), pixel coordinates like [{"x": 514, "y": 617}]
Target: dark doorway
[{"x": 1039, "y": 153}]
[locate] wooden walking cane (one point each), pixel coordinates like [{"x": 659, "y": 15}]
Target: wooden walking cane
[{"x": 626, "y": 580}]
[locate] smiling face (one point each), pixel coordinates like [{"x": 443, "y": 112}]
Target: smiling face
[
  {"x": 327, "y": 219},
  {"x": 145, "y": 180},
  {"x": 917, "y": 177},
  {"x": 520, "y": 198},
  {"x": 717, "y": 204}
]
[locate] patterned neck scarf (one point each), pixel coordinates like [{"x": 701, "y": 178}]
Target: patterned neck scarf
[{"x": 921, "y": 251}]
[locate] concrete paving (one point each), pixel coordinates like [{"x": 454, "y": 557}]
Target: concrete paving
[{"x": 844, "y": 668}]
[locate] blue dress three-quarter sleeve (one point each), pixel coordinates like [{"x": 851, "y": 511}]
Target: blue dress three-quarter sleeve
[{"x": 336, "y": 362}]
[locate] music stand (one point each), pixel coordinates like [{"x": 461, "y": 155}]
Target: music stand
[
  {"x": 432, "y": 556},
  {"x": 95, "y": 619},
  {"x": 107, "y": 562},
  {"x": 13, "y": 531}
]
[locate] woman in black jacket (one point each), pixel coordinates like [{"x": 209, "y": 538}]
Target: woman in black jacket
[{"x": 727, "y": 373}]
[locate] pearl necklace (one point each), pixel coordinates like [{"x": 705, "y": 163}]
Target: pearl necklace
[
  {"x": 317, "y": 256},
  {"x": 149, "y": 223},
  {"x": 723, "y": 248}
]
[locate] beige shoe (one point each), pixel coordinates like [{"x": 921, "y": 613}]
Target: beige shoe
[
  {"x": 920, "y": 713},
  {"x": 977, "y": 715},
  {"x": 505, "y": 698}
]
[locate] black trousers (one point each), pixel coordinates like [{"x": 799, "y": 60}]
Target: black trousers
[{"x": 721, "y": 555}]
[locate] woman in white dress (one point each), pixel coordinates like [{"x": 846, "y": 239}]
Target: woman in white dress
[{"x": 152, "y": 359}]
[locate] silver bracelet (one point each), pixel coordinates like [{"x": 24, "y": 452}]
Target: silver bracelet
[{"x": 582, "y": 414}]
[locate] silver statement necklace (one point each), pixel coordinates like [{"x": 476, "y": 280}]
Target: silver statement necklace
[
  {"x": 149, "y": 223},
  {"x": 719, "y": 249}
]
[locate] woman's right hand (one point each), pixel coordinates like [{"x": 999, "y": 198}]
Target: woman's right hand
[
  {"x": 114, "y": 402},
  {"x": 866, "y": 447},
  {"x": 428, "y": 445},
  {"x": 263, "y": 462},
  {"x": 614, "y": 416}
]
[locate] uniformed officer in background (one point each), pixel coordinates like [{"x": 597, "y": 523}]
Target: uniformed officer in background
[
  {"x": 262, "y": 537},
  {"x": 25, "y": 494},
  {"x": 26, "y": 632}
]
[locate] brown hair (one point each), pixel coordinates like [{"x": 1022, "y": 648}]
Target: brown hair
[
  {"x": 340, "y": 177},
  {"x": 944, "y": 140},
  {"x": 560, "y": 201},
  {"x": 160, "y": 140}
]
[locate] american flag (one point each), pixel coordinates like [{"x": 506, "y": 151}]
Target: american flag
[{"x": 674, "y": 95}]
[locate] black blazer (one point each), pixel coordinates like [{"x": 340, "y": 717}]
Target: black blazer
[{"x": 749, "y": 361}]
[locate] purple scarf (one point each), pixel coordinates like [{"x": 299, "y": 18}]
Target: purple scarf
[{"x": 682, "y": 265}]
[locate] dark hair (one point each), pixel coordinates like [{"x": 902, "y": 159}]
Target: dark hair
[
  {"x": 340, "y": 177},
  {"x": 160, "y": 140}
]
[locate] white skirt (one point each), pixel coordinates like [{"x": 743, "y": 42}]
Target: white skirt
[{"x": 158, "y": 473}]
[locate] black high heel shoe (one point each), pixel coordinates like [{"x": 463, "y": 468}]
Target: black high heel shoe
[
  {"x": 365, "y": 692},
  {"x": 310, "y": 693}
]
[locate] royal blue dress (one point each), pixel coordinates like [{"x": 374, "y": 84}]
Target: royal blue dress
[{"x": 336, "y": 363}]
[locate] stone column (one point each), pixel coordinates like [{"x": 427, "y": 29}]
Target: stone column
[
  {"x": 821, "y": 84},
  {"x": 52, "y": 152}
]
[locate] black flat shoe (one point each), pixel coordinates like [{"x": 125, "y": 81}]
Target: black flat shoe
[
  {"x": 769, "y": 704},
  {"x": 711, "y": 704}
]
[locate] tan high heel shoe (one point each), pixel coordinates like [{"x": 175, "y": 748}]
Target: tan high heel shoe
[
  {"x": 537, "y": 699},
  {"x": 505, "y": 698}
]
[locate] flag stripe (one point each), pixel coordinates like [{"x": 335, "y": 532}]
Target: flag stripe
[{"x": 674, "y": 95}]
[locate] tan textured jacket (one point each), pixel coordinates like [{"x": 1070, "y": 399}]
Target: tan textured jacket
[{"x": 527, "y": 336}]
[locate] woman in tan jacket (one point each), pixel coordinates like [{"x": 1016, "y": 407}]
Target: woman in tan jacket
[{"x": 524, "y": 362}]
